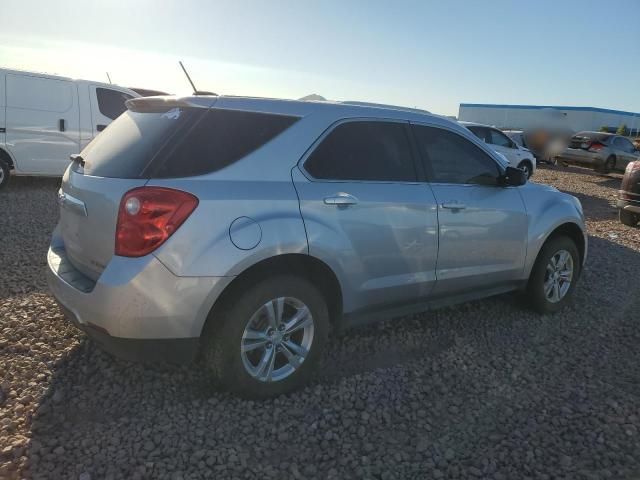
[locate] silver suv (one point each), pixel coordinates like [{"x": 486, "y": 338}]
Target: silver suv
[{"x": 247, "y": 229}]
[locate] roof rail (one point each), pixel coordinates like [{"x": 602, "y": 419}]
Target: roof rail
[{"x": 383, "y": 105}]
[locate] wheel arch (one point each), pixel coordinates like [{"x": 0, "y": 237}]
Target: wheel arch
[
  {"x": 4, "y": 155},
  {"x": 568, "y": 229},
  {"x": 306, "y": 266}
]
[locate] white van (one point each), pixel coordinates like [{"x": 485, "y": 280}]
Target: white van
[{"x": 44, "y": 119}]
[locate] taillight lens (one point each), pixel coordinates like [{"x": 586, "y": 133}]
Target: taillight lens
[
  {"x": 596, "y": 147},
  {"x": 148, "y": 216}
]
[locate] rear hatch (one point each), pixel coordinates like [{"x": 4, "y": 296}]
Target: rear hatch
[{"x": 117, "y": 160}]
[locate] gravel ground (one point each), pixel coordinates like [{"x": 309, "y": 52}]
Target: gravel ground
[{"x": 486, "y": 390}]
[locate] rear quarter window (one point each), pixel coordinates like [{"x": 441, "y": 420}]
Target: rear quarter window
[
  {"x": 178, "y": 142},
  {"x": 219, "y": 139}
]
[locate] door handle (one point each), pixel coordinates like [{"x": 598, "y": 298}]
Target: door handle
[
  {"x": 61, "y": 125},
  {"x": 341, "y": 199},
  {"x": 100, "y": 127},
  {"x": 454, "y": 206}
]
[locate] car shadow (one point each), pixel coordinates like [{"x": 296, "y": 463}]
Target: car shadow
[{"x": 93, "y": 394}]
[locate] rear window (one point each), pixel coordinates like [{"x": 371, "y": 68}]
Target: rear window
[{"x": 179, "y": 142}]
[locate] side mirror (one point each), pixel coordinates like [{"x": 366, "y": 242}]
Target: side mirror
[{"x": 513, "y": 177}]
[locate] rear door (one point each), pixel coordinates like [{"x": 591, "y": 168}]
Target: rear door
[
  {"x": 107, "y": 104},
  {"x": 366, "y": 214},
  {"x": 482, "y": 226},
  {"x": 42, "y": 123}
]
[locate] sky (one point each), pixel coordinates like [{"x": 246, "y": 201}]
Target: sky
[{"x": 417, "y": 53}]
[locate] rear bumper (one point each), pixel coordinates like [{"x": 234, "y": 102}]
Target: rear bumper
[
  {"x": 136, "y": 305},
  {"x": 629, "y": 205},
  {"x": 576, "y": 155},
  {"x": 172, "y": 350}
]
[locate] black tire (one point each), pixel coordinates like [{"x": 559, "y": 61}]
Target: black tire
[
  {"x": 527, "y": 167},
  {"x": 536, "y": 285},
  {"x": 4, "y": 173},
  {"x": 609, "y": 164},
  {"x": 223, "y": 339},
  {"x": 628, "y": 218}
]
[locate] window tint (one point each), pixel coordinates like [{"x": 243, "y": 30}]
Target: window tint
[
  {"x": 177, "y": 142},
  {"x": 370, "y": 151},
  {"x": 111, "y": 102},
  {"x": 219, "y": 139},
  {"x": 450, "y": 158},
  {"x": 500, "y": 139}
]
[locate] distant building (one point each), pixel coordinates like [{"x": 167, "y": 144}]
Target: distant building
[{"x": 521, "y": 117}]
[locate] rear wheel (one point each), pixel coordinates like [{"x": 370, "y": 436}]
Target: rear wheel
[
  {"x": 4, "y": 173},
  {"x": 269, "y": 339},
  {"x": 554, "y": 275},
  {"x": 609, "y": 164},
  {"x": 628, "y": 218}
]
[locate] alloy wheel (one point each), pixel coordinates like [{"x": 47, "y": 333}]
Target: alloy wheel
[
  {"x": 277, "y": 339},
  {"x": 558, "y": 276}
]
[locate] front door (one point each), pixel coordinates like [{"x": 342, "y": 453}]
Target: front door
[
  {"x": 482, "y": 225},
  {"x": 367, "y": 216},
  {"x": 42, "y": 123}
]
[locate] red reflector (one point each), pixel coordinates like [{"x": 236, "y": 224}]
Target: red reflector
[
  {"x": 148, "y": 216},
  {"x": 596, "y": 147}
]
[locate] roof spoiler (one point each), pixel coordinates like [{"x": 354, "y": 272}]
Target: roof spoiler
[{"x": 161, "y": 104}]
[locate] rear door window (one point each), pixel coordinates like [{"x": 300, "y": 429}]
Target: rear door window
[
  {"x": 451, "y": 158},
  {"x": 364, "y": 151},
  {"x": 500, "y": 139},
  {"x": 111, "y": 102},
  {"x": 481, "y": 132}
]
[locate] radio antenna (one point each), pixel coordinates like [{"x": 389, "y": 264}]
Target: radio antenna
[
  {"x": 195, "y": 90},
  {"x": 108, "y": 77}
]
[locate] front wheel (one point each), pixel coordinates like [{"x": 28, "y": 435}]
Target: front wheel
[
  {"x": 628, "y": 218},
  {"x": 269, "y": 337},
  {"x": 554, "y": 275},
  {"x": 4, "y": 174},
  {"x": 527, "y": 168}
]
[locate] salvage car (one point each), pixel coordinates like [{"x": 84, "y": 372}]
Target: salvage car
[
  {"x": 604, "y": 152},
  {"x": 629, "y": 195},
  {"x": 246, "y": 229}
]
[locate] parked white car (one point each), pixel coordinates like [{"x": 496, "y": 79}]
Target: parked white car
[
  {"x": 44, "y": 119},
  {"x": 517, "y": 155}
]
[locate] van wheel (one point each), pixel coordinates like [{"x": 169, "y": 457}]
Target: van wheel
[
  {"x": 4, "y": 173},
  {"x": 554, "y": 275},
  {"x": 628, "y": 218},
  {"x": 269, "y": 338}
]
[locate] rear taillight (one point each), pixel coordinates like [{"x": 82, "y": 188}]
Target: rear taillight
[
  {"x": 596, "y": 147},
  {"x": 148, "y": 216}
]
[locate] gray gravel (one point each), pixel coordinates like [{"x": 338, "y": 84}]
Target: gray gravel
[{"x": 483, "y": 390}]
